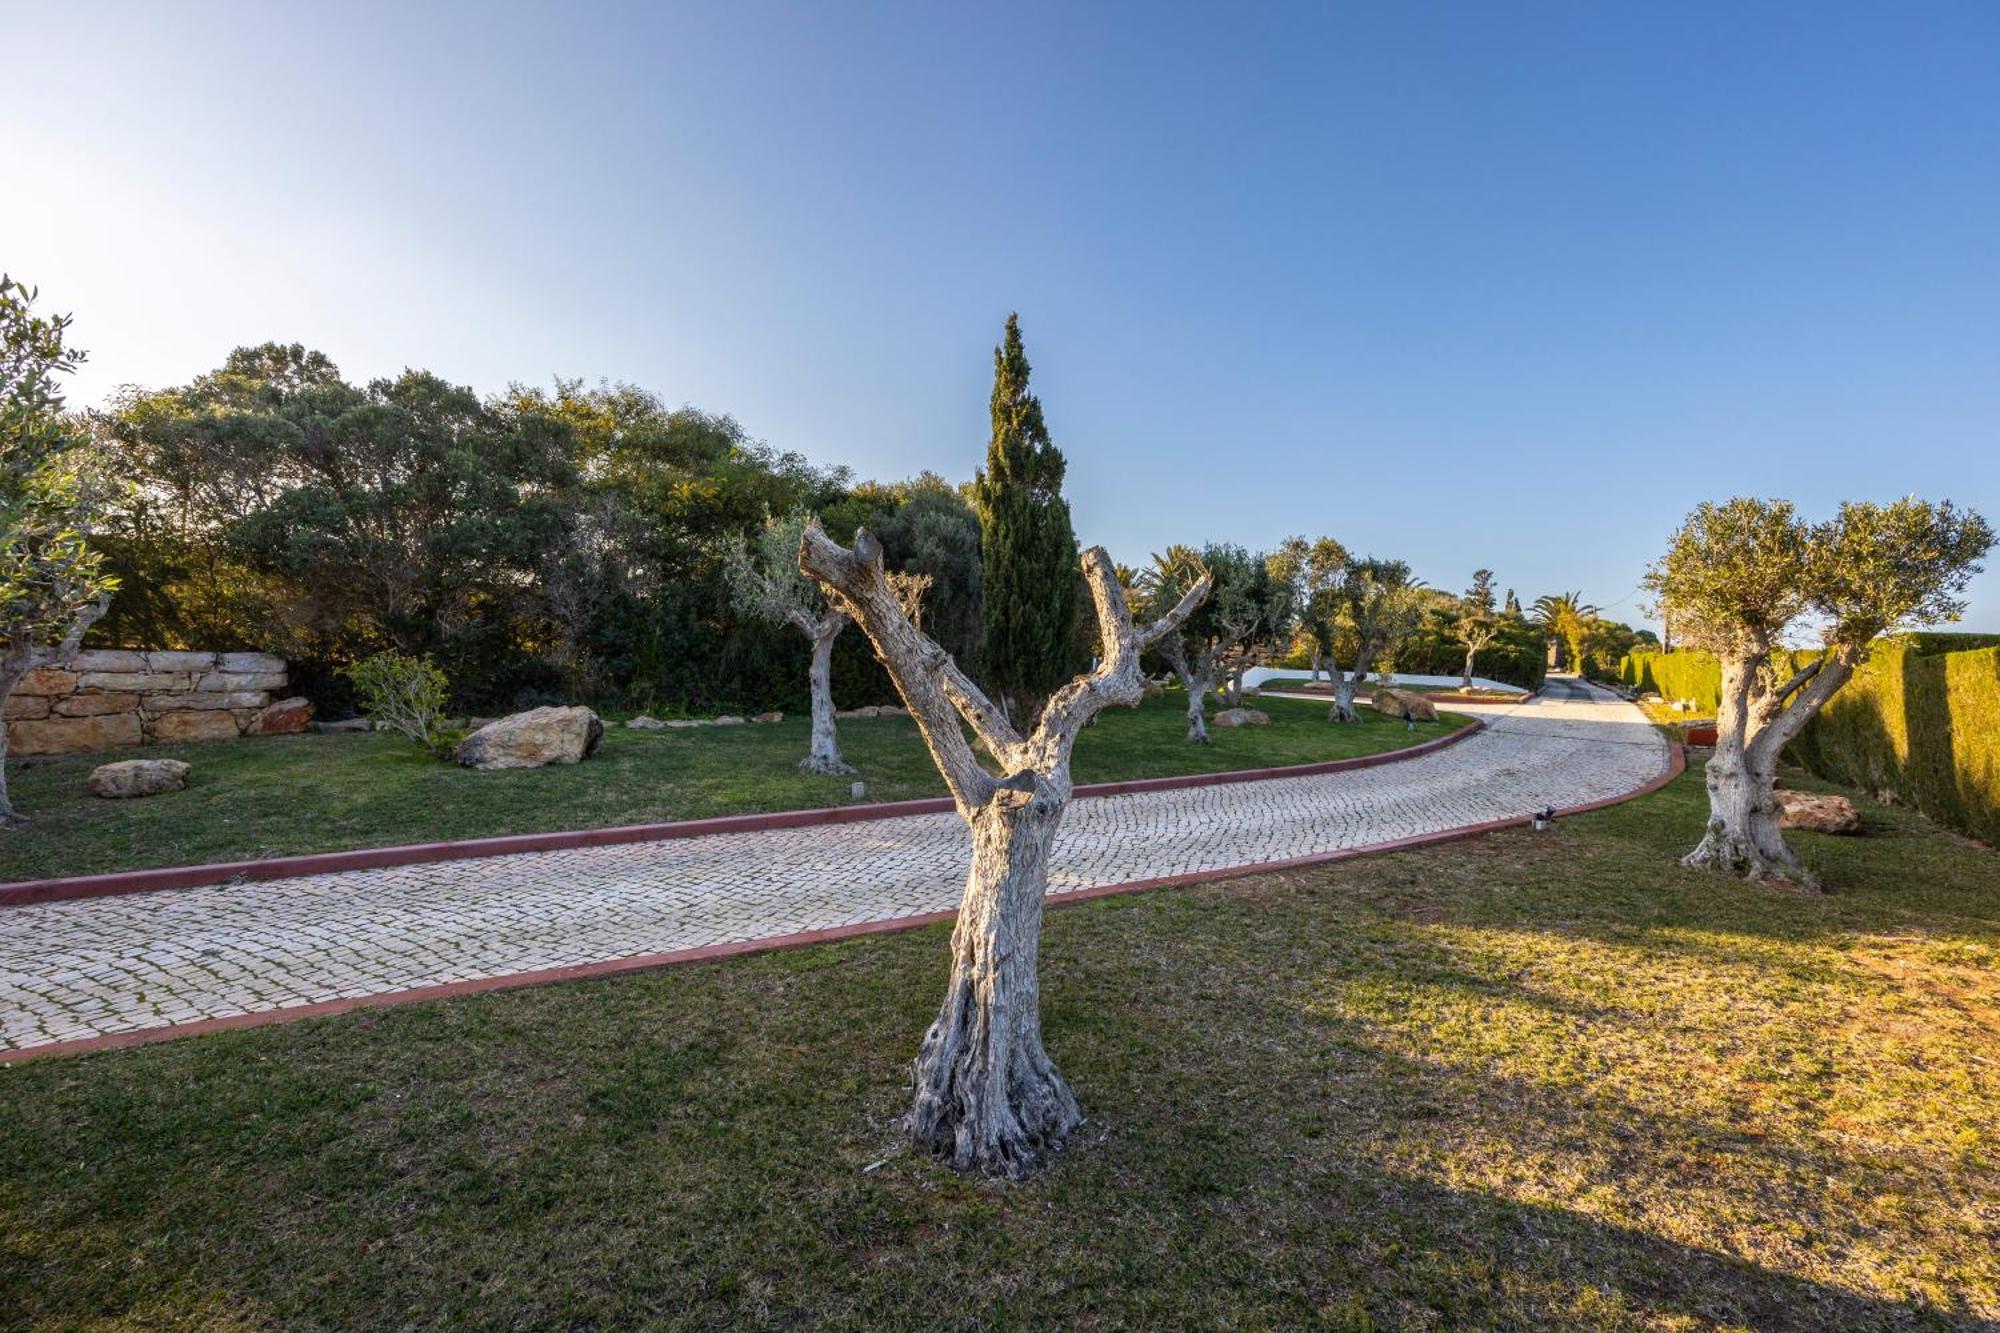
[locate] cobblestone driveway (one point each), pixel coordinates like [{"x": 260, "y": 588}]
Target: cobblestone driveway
[{"x": 74, "y": 970}]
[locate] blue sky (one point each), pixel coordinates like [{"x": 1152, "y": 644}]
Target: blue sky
[{"x": 1503, "y": 285}]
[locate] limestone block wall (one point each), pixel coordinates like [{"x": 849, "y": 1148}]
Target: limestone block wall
[{"x": 108, "y": 699}]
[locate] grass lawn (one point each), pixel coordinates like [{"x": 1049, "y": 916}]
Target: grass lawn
[
  {"x": 285, "y": 795},
  {"x": 1528, "y": 1081}
]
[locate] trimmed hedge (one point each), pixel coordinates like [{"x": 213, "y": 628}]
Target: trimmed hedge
[
  {"x": 1690, "y": 674},
  {"x": 1924, "y": 726},
  {"x": 1684, "y": 675}
]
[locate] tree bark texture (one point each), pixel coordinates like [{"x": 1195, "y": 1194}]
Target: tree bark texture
[
  {"x": 987, "y": 1096},
  {"x": 1197, "y": 678},
  {"x": 824, "y": 756},
  {"x": 1755, "y": 720},
  {"x": 1343, "y": 694}
]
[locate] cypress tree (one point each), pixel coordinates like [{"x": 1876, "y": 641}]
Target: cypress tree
[{"x": 1028, "y": 550}]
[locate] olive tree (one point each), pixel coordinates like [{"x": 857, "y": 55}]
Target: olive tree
[
  {"x": 52, "y": 583},
  {"x": 1739, "y": 575},
  {"x": 988, "y": 1097},
  {"x": 1313, "y": 569},
  {"x": 1475, "y": 627},
  {"x": 1379, "y": 604},
  {"x": 1246, "y": 607},
  {"x": 765, "y": 581}
]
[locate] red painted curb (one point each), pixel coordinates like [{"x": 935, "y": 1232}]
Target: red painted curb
[
  {"x": 1676, "y": 764},
  {"x": 26, "y": 892}
]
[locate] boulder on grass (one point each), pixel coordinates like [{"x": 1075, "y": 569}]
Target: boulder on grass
[
  {"x": 1817, "y": 813},
  {"x": 532, "y": 739},
  {"x": 132, "y": 778},
  {"x": 1242, "y": 717},
  {"x": 772, "y": 716},
  {"x": 1395, "y": 703},
  {"x": 287, "y": 717},
  {"x": 646, "y": 722},
  {"x": 1153, "y": 690}
]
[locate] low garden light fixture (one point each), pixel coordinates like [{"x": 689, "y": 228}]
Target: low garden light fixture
[{"x": 1545, "y": 818}]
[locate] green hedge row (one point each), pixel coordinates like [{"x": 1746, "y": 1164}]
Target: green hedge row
[
  {"x": 1924, "y": 726},
  {"x": 1698, "y": 676},
  {"x": 1684, "y": 675}
]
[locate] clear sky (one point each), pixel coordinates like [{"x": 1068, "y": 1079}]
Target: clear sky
[{"x": 1494, "y": 284}]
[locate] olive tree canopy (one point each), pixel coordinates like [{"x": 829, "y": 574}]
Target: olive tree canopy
[{"x": 1740, "y": 576}]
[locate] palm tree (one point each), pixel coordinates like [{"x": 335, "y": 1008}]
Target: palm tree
[{"x": 1565, "y": 616}]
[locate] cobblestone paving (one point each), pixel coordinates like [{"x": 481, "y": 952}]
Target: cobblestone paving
[{"x": 81, "y": 969}]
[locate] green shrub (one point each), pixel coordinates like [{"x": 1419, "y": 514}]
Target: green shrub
[
  {"x": 406, "y": 695},
  {"x": 1924, "y": 726}
]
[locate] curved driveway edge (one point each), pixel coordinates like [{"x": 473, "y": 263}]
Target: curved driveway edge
[
  {"x": 25, "y": 892},
  {"x": 77, "y": 976},
  {"x": 1677, "y": 764}
]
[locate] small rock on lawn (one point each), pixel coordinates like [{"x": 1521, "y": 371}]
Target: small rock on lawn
[
  {"x": 1817, "y": 813},
  {"x": 1243, "y": 717},
  {"x": 132, "y": 778}
]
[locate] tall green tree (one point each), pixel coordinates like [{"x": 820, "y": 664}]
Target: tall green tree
[
  {"x": 1567, "y": 619},
  {"x": 1475, "y": 628},
  {"x": 52, "y": 584},
  {"x": 1028, "y": 584}
]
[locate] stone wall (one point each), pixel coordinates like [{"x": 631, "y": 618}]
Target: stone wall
[{"x": 108, "y": 699}]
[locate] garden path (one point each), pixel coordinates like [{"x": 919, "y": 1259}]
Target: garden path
[{"x": 84, "y": 970}]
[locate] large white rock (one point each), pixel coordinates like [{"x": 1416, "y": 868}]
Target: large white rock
[
  {"x": 1817, "y": 811},
  {"x": 534, "y": 738},
  {"x": 131, "y": 778},
  {"x": 1397, "y": 703}
]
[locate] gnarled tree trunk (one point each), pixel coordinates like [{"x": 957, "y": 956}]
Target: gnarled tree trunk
[
  {"x": 1743, "y": 836},
  {"x": 1343, "y": 694},
  {"x": 1466, "y": 682},
  {"x": 1197, "y": 706},
  {"x": 1755, "y": 721},
  {"x": 824, "y": 757},
  {"x": 987, "y": 1095},
  {"x": 1318, "y": 665}
]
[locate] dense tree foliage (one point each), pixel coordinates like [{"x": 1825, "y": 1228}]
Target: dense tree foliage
[
  {"x": 1245, "y": 620},
  {"x": 543, "y": 545},
  {"x": 1029, "y": 589},
  {"x": 53, "y": 584}
]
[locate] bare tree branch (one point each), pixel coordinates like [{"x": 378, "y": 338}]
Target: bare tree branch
[
  {"x": 88, "y": 616},
  {"x": 923, "y": 672}
]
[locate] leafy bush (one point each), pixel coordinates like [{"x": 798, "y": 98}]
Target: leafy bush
[{"x": 407, "y": 695}]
